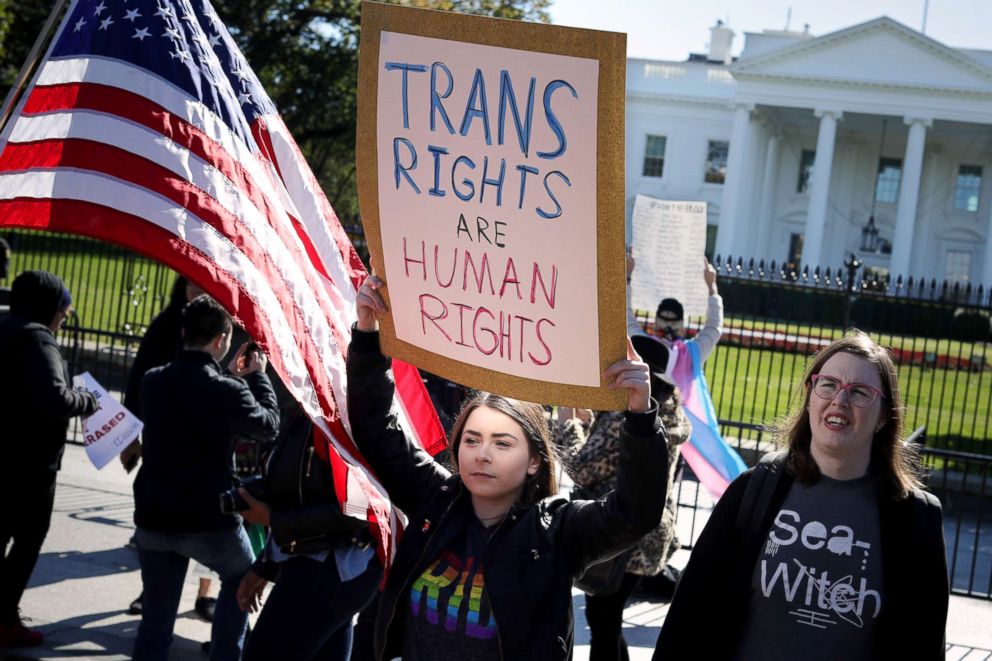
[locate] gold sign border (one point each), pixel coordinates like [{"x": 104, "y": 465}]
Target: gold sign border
[{"x": 610, "y": 49}]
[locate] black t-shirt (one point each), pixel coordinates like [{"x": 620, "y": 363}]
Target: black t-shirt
[
  {"x": 450, "y": 616},
  {"x": 817, "y": 585}
]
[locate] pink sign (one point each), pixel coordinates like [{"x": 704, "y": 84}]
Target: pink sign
[{"x": 487, "y": 180}]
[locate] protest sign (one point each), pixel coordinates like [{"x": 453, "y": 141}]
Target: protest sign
[
  {"x": 111, "y": 428},
  {"x": 669, "y": 239},
  {"x": 490, "y": 173}
]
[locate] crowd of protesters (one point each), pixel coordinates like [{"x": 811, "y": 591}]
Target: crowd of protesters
[{"x": 824, "y": 550}]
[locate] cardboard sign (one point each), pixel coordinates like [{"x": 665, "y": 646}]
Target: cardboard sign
[
  {"x": 669, "y": 240},
  {"x": 111, "y": 429},
  {"x": 490, "y": 172}
]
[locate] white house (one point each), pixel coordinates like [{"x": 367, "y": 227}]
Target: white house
[{"x": 802, "y": 140}]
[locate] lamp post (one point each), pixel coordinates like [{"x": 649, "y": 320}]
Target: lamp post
[
  {"x": 869, "y": 236},
  {"x": 852, "y": 264}
]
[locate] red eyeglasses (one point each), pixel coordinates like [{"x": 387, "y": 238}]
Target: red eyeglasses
[{"x": 859, "y": 394}]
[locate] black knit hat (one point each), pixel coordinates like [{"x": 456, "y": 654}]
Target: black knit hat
[
  {"x": 37, "y": 296},
  {"x": 672, "y": 307}
]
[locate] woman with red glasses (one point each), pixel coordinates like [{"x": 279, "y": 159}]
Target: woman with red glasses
[{"x": 828, "y": 550}]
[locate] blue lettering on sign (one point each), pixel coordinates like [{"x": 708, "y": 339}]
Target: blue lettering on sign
[
  {"x": 515, "y": 117},
  {"x": 436, "y": 106},
  {"x": 553, "y": 122},
  {"x": 406, "y": 69},
  {"x": 399, "y": 168},
  {"x": 506, "y": 96},
  {"x": 477, "y": 107}
]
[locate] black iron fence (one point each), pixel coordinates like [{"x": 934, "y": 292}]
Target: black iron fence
[
  {"x": 775, "y": 319},
  {"x": 962, "y": 481},
  {"x": 114, "y": 290},
  {"x": 115, "y": 294}
]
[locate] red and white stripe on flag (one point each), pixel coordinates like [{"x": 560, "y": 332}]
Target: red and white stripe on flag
[{"x": 145, "y": 127}]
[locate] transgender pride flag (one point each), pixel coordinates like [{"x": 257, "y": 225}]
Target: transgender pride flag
[{"x": 709, "y": 456}]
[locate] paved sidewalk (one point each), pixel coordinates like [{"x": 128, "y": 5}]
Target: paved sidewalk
[{"x": 86, "y": 579}]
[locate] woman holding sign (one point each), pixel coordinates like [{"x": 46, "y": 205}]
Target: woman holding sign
[{"x": 485, "y": 567}]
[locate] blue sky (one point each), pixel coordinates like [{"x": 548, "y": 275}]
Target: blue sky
[{"x": 671, "y": 29}]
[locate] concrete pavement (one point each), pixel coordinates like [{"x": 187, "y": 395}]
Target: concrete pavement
[{"x": 86, "y": 578}]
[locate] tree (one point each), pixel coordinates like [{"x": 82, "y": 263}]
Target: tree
[
  {"x": 20, "y": 23},
  {"x": 305, "y": 52}
]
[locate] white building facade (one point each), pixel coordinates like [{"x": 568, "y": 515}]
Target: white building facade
[{"x": 875, "y": 140}]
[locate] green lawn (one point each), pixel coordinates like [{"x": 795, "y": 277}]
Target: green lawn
[
  {"x": 116, "y": 291},
  {"x": 112, "y": 289},
  {"x": 940, "y": 346}
]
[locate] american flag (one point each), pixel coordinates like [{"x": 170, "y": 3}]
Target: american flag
[{"x": 144, "y": 126}]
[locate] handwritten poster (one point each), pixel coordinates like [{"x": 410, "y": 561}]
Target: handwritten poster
[
  {"x": 482, "y": 188},
  {"x": 669, "y": 239}
]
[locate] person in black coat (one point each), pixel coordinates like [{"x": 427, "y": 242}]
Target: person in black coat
[
  {"x": 36, "y": 403},
  {"x": 322, "y": 561},
  {"x": 836, "y": 552},
  {"x": 193, "y": 414},
  {"x": 485, "y": 566},
  {"x": 162, "y": 340}
]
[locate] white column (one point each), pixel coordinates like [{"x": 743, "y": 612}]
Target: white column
[
  {"x": 987, "y": 265},
  {"x": 768, "y": 189},
  {"x": 732, "y": 213},
  {"x": 819, "y": 187},
  {"x": 909, "y": 195}
]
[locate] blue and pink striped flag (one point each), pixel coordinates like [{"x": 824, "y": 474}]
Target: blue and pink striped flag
[{"x": 710, "y": 457}]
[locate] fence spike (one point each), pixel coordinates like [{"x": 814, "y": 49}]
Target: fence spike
[
  {"x": 717, "y": 264},
  {"x": 805, "y": 274},
  {"x": 750, "y": 267},
  {"x": 898, "y": 283},
  {"x": 909, "y": 284},
  {"x": 761, "y": 268}
]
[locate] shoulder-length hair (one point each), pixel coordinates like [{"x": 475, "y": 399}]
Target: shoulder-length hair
[
  {"x": 892, "y": 461},
  {"x": 531, "y": 419}
]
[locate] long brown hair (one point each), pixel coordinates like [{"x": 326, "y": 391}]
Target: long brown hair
[
  {"x": 531, "y": 419},
  {"x": 892, "y": 461}
]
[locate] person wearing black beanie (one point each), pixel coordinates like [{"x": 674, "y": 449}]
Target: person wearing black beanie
[{"x": 36, "y": 403}]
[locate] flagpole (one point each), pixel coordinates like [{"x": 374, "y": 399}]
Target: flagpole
[{"x": 28, "y": 70}]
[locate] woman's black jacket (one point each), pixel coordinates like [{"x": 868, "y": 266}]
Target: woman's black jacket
[
  {"x": 299, "y": 488},
  {"x": 713, "y": 593},
  {"x": 537, "y": 550}
]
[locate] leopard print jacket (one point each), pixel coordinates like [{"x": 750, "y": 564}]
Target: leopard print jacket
[{"x": 591, "y": 457}]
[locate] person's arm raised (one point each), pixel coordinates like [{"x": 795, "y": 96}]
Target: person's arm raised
[
  {"x": 405, "y": 469},
  {"x": 707, "y": 338},
  {"x": 369, "y": 304},
  {"x": 633, "y": 375}
]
